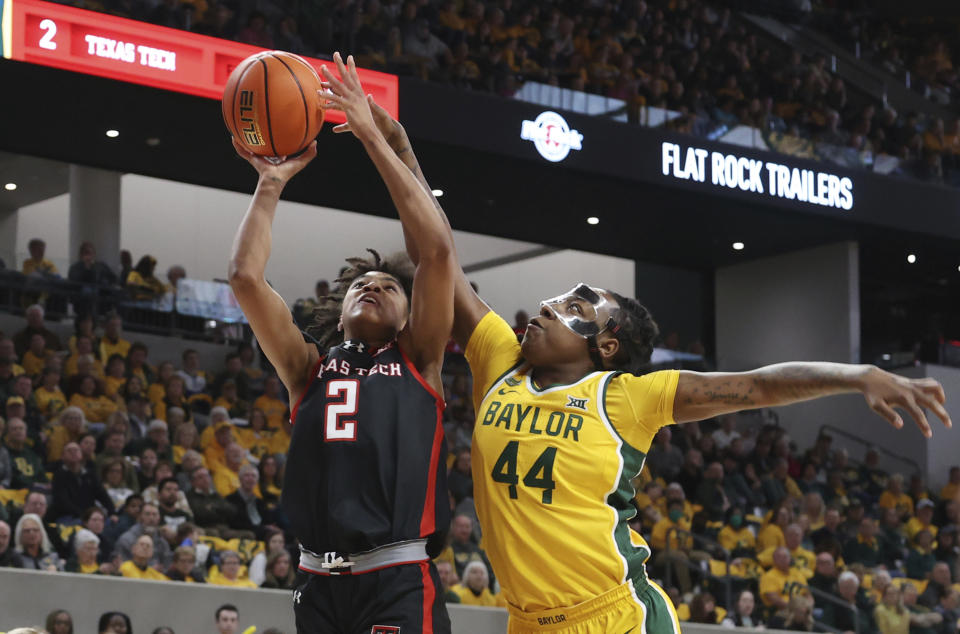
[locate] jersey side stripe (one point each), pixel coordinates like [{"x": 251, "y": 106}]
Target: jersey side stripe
[
  {"x": 601, "y": 410},
  {"x": 313, "y": 377}
]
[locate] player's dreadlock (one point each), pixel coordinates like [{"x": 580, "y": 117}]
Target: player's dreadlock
[
  {"x": 637, "y": 333},
  {"x": 327, "y": 316}
]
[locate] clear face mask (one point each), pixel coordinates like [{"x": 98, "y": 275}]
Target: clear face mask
[{"x": 579, "y": 310}]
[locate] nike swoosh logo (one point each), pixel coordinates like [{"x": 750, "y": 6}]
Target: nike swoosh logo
[{"x": 506, "y": 391}]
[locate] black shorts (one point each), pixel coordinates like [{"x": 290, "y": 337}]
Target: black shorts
[{"x": 405, "y": 599}]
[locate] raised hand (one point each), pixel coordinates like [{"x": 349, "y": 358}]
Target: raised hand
[
  {"x": 346, "y": 94},
  {"x": 281, "y": 171},
  {"x": 885, "y": 392}
]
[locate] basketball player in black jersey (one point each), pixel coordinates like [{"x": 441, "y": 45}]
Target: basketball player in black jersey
[{"x": 365, "y": 489}]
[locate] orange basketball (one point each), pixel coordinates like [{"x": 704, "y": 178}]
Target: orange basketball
[{"x": 270, "y": 103}]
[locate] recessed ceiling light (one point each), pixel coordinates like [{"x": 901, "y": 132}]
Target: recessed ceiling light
[
  {"x": 593, "y": 220},
  {"x": 437, "y": 192},
  {"x": 10, "y": 187},
  {"x": 153, "y": 141},
  {"x": 112, "y": 134},
  {"x": 911, "y": 258},
  {"x": 738, "y": 246}
]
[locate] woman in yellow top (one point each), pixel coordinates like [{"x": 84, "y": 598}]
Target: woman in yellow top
[
  {"x": 891, "y": 616},
  {"x": 141, "y": 282},
  {"x": 72, "y": 365},
  {"x": 563, "y": 422},
  {"x": 771, "y": 535},
  {"x": 96, "y": 407},
  {"x": 49, "y": 398},
  {"x": 115, "y": 376},
  {"x": 475, "y": 587},
  {"x": 173, "y": 397},
  {"x": 71, "y": 424},
  {"x": 157, "y": 390},
  {"x": 270, "y": 402},
  {"x": 271, "y": 478},
  {"x": 894, "y": 497},
  {"x": 254, "y": 437},
  {"x": 228, "y": 573},
  {"x": 36, "y": 356},
  {"x": 185, "y": 438}
]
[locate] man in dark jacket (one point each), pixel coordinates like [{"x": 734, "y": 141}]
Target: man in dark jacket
[{"x": 75, "y": 488}]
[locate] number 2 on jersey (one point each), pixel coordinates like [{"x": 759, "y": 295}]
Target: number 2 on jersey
[
  {"x": 505, "y": 471},
  {"x": 334, "y": 427}
]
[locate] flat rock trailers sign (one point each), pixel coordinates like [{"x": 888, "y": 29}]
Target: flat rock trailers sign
[
  {"x": 551, "y": 135},
  {"x": 756, "y": 176}
]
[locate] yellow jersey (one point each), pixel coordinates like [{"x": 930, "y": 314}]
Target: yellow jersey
[
  {"x": 130, "y": 569},
  {"x": 552, "y": 470},
  {"x": 784, "y": 584},
  {"x": 903, "y": 503},
  {"x": 731, "y": 538}
]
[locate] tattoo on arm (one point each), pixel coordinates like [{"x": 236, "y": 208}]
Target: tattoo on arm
[{"x": 276, "y": 179}]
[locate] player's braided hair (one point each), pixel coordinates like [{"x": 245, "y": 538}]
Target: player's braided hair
[
  {"x": 326, "y": 316},
  {"x": 637, "y": 333}
]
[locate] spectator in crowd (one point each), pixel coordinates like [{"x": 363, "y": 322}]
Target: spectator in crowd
[
  {"x": 142, "y": 562},
  {"x": 894, "y": 497},
  {"x": 59, "y": 622},
  {"x": 95, "y": 521},
  {"x": 210, "y": 511},
  {"x": 460, "y": 478},
  {"x": 171, "y": 502},
  {"x": 727, "y": 432},
  {"x": 938, "y": 585},
  {"x": 112, "y": 477},
  {"x": 229, "y": 573},
  {"x": 49, "y": 398},
  {"x": 922, "y": 521},
  {"x": 948, "y": 610},
  {"x": 736, "y": 537},
  {"x": 37, "y": 264},
  {"x": 864, "y": 548},
  {"x": 36, "y": 503},
  {"x": 824, "y": 576},
  {"x": 184, "y": 566},
  {"x": 893, "y": 544},
  {"x": 890, "y": 614},
  {"x": 257, "y": 569},
  {"x": 781, "y": 582},
  {"x": 91, "y": 401},
  {"x": 675, "y": 528},
  {"x": 226, "y": 477},
  {"x": 475, "y": 587},
  {"x": 112, "y": 341},
  {"x": 922, "y": 618},
  {"x": 194, "y": 379},
  {"x": 463, "y": 549},
  {"x": 849, "y": 617},
  {"x": 448, "y": 579},
  {"x": 36, "y": 356},
  {"x": 280, "y": 573},
  {"x": 227, "y": 619},
  {"x": 830, "y": 528},
  {"x": 250, "y": 513},
  {"x": 664, "y": 459},
  {"x": 158, "y": 439},
  {"x": 920, "y": 558},
  {"x": 9, "y": 558},
  {"x": 232, "y": 370},
  {"x": 703, "y": 609},
  {"x": 228, "y": 399},
  {"x": 271, "y": 404},
  {"x": 850, "y": 526},
  {"x": 71, "y": 424},
  {"x": 32, "y": 544},
  {"x": 710, "y": 494},
  {"x": 149, "y": 526},
  {"x": 778, "y": 486},
  {"x": 85, "y": 560},
  {"x": 952, "y": 487},
  {"x": 75, "y": 488},
  {"x": 771, "y": 535},
  {"x": 141, "y": 282},
  {"x": 691, "y": 473},
  {"x": 35, "y": 326},
  {"x": 742, "y": 614},
  {"x": 947, "y": 549},
  {"x": 796, "y": 615},
  {"x": 113, "y": 444},
  {"x": 89, "y": 270},
  {"x": 27, "y": 467},
  {"x": 114, "y": 623}
]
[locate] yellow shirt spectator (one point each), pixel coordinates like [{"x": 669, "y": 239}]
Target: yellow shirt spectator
[
  {"x": 33, "y": 364},
  {"x": 275, "y": 410},
  {"x": 216, "y": 578},
  {"x": 112, "y": 384},
  {"x": 732, "y": 539},
  {"x": 109, "y": 348},
  {"x": 280, "y": 442},
  {"x": 257, "y": 443},
  {"x": 225, "y": 481},
  {"x": 771, "y": 536},
  {"x": 484, "y": 599},
  {"x": 49, "y": 403},
  {"x": 95, "y": 408},
  {"x": 60, "y": 436},
  {"x": 658, "y": 538},
  {"x": 130, "y": 569},
  {"x": 784, "y": 584},
  {"x": 914, "y": 526},
  {"x": 42, "y": 265},
  {"x": 903, "y": 502},
  {"x": 70, "y": 367},
  {"x": 802, "y": 559},
  {"x": 949, "y": 491}
]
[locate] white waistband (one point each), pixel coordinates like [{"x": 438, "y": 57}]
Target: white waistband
[{"x": 333, "y": 563}]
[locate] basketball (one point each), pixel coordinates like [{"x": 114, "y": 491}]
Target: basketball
[{"x": 270, "y": 103}]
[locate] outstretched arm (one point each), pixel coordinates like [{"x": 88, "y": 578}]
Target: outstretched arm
[
  {"x": 469, "y": 309},
  {"x": 266, "y": 311},
  {"x": 431, "y": 310},
  {"x": 704, "y": 395}
]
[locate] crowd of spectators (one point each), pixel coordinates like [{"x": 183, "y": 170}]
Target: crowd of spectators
[
  {"x": 119, "y": 460},
  {"x": 693, "y": 57},
  {"x": 226, "y": 620}
]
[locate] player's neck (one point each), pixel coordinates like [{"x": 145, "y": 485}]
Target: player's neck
[
  {"x": 546, "y": 376},
  {"x": 372, "y": 342}
]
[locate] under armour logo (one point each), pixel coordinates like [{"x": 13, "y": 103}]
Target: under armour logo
[
  {"x": 359, "y": 346},
  {"x": 296, "y": 597},
  {"x": 385, "y": 629},
  {"x": 577, "y": 403}
]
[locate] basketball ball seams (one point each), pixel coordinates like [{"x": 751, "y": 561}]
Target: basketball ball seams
[
  {"x": 303, "y": 97},
  {"x": 266, "y": 102}
]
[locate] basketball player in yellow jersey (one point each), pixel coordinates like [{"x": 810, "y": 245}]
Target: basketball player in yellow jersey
[{"x": 563, "y": 422}]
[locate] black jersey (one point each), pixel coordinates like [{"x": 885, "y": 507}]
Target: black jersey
[{"x": 367, "y": 460}]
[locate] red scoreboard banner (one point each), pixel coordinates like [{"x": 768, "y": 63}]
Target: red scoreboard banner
[{"x": 127, "y": 50}]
